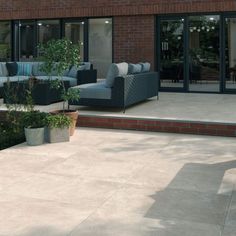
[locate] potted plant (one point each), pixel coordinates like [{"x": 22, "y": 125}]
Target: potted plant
[
  {"x": 58, "y": 128},
  {"x": 34, "y": 124},
  {"x": 58, "y": 56}
]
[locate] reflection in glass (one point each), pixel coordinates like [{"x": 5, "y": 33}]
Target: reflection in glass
[
  {"x": 172, "y": 47},
  {"x": 230, "y": 53},
  {"x": 5, "y": 41},
  {"x": 48, "y": 29},
  {"x": 27, "y": 42},
  {"x": 204, "y": 53},
  {"x": 100, "y": 44},
  {"x": 75, "y": 32}
]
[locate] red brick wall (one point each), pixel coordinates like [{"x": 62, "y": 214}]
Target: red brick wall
[
  {"x": 19, "y": 9},
  {"x": 134, "y": 38}
]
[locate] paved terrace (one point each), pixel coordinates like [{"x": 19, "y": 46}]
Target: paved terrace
[
  {"x": 112, "y": 182},
  {"x": 211, "y": 114}
]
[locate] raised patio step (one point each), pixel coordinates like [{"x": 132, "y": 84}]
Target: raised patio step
[{"x": 159, "y": 125}]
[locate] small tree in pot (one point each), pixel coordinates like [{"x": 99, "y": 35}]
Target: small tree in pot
[
  {"x": 58, "y": 56},
  {"x": 58, "y": 128}
]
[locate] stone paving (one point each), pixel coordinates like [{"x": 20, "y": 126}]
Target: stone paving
[{"x": 120, "y": 183}]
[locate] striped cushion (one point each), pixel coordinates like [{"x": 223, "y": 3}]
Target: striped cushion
[{"x": 24, "y": 68}]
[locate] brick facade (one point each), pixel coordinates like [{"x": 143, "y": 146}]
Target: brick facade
[
  {"x": 20, "y": 9},
  {"x": 134, "y": 38},
  {"x": 134, "y": 21}
]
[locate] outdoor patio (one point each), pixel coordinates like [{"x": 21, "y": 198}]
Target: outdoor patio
[{"x": 112, "y": 182}]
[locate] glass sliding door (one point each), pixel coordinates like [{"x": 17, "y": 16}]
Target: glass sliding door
[
  {"x": 100, "y": 44},
  {"x": 5, "y": 40},
  {"x": 230, "y": 53},
  {"x": 75, "y": 31},
  {"x": 204, "y": 53},
  {"x": 172, "y": 53},
  {"x": 27, "y": 41},
  {"x": 48, "y": 29}
]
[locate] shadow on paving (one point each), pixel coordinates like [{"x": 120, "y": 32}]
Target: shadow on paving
[{"x": 198, "y": 196}]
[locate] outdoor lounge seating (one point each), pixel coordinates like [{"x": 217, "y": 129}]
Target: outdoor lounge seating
[
  {"x": 120, "y": 89},
  {"x": 21, "y": 71}
]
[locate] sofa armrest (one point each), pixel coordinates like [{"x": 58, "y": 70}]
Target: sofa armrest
[
  {"x": 134, "y": 88},
  {"x": 86, "y": 76}
]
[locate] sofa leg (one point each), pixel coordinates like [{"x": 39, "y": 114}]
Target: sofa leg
[
  {"x": 123, "y": 110},
  {"x": 157, "y": 97}
]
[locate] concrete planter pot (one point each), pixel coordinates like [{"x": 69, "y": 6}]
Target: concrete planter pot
[
  {"x": 57, "y": 135},
  {"x": 73, "y": 114},
  {"x": 34, "y": 136}
]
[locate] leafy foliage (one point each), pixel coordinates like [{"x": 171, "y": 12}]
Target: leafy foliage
[
  {"x": 58, "y": 121},
  {"x": 34, "y": 119},
  {"x": 59, "y": 55}
]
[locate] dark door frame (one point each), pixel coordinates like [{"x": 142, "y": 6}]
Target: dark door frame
[{"x": 222, "y": 38}]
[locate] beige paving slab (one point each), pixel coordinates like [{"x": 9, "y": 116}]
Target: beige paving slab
[
  {"x": 26, "y": 162},
  {"x": 81, "y": 192},
  {"x": 30, "y": 217},
  {"x": 136, "y": 225},
  {"x": 111, "y": 182},
  {"x": 229, "y": 230},
  {"x": 231, "y": 217}
]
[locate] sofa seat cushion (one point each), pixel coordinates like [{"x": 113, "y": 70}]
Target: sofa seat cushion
[
  {"x": 114, "y": 71},
  {"x": 94, "y": 90},
  {"x": 73, "y": 81},
  {"x": 12, "y": 79}
]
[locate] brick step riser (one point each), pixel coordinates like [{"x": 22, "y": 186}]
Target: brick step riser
[{"x": 184, "y": 127}]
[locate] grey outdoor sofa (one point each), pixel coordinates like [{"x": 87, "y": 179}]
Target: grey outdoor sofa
[
  {"x": 43, "y": 94},
  {"x": 125, "y": 90}
]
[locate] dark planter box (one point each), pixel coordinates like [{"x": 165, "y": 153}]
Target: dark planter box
[{"x": 42, "y": 92}]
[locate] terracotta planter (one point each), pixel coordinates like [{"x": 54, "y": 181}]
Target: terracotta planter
[{"x": 74, "y": 116}]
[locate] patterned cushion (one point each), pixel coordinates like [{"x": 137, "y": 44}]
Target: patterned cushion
[{"x": 24, "y": 68}]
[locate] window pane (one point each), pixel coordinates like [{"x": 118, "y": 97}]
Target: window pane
[
  {"x": 172, "y": 50},
  {"x": 48, "y": 29},
  {"x": 100, "y": 44},
  {"x": 230, "y": 53},
  {"x": 27, "y": 40},
  {"x": 5, "y": 41},
  {"x": 74, "y": 31},
  {"x": 204, "y": 48}
]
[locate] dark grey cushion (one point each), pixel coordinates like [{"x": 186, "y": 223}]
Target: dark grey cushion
[
  {"x": 145, "y": 66},
  {"x": 74, "y": 69},
  {"x": 134, "y": 68}
]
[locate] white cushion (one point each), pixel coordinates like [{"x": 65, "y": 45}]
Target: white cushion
[
  {"x": 114, "y": 71},
  {"x": 3, "y": 69}
]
